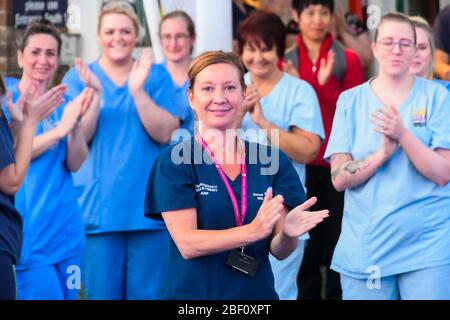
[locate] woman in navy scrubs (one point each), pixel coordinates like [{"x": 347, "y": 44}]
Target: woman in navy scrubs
[
  {"x": 14, "y": 163},
  {"x": 225, "y": 205}
]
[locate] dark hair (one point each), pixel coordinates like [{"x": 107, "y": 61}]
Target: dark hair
[
  {"x": 183, "y": 15},
  {"x": 41, "y": 26},
  {"x": 215, "y": 57},
  {"x": 396, "y": 17},
  {"x": 2, "y": 87},
  {"x": 263, "y": 26},
  {"x": 300, "y": 5}
]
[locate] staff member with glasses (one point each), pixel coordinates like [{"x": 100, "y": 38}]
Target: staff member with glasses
[
  {"x": 126, "y": 254},
  {"x": 390, "y": 152},
  {"x": 177, "y": 34}
]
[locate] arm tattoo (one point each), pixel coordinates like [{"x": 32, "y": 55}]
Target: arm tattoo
[{"x": 352, "y": 168}]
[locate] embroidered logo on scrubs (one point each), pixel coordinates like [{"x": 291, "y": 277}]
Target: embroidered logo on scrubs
[
  {"x": 205, "y": 189},
  {"x": 419, "y": 117},
  {"x": 259, "y": 196}
]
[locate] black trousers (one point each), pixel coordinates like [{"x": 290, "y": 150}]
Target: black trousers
[
  {"x": 7, "y": 279},
  {"x": 319, "y": 248}
]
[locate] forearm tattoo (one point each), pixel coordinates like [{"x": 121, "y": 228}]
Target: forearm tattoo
[{"x": 351, "y": 168}]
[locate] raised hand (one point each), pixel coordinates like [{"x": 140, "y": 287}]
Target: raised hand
[
  {"x": 140, "y": 71},
  {"x": 289, "y": 68},
  {"x": 252, "y": 104},
  {"x": 35, "y": 109},
  {"x": 15, "y": 111},
  {"x": 74, "y": 111},
  {"x": 299, "y": 221},
  {"x": 326, "y": 68},
  {"x": 268, "y": 215},
  {"x": 388, "y": 122},
  {"x": 87, "y": 76}
]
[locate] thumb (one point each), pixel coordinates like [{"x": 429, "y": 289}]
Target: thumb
[
  {"x": 269, "y": 195},
  {"x": 307, "y": 204}
]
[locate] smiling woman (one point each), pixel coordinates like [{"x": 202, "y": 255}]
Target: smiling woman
[
  {"x": 278, "y": 105},
  {"x": 390, "y": 152},
  {"x": 138, "y": 115},
  {"x": 219, "y": 247},
  {"x": 53, "y": 232},
  {"x": 177, "y": 34}
]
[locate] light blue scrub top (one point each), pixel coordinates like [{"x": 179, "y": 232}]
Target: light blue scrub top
[
  {"x": 112, "y": 182},
  {"x": 444, "y": 83},
  {"x": 397, "y": 221},
  {"x": 292, "y": 102},
  {"x": 52, "y": 224}
]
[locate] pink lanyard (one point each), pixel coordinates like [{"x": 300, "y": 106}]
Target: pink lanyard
[{"x": 238, "y": 216}]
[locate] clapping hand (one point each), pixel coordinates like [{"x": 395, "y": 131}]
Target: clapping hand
[
  {"x": 268, "y": 215},
  {"x": 252, "y": 104},
  {"x": 140, "y": 71},
  {"x": 87, "y": 76},
  {"x": 326, "y": 68},
  {"x": 35, "y": 108},
  {"x": 74, "y": 111},
  {"x": 299, "y": 221}
]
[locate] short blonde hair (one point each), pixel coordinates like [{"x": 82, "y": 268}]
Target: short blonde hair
[
  {"x": 215, "y": 57},
  {"x": 421, "y": 23},
  {"x": 119, "y": 7}
]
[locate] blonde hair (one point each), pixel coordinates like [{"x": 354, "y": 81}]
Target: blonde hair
[
  {"x": 421, "y": 23},
  {"x": 119, "y": 7},
  {"x": 211, "y": 58}
]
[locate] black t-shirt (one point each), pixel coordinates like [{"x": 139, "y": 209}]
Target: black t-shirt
[
  {"x": 442, "y": 30},
  {"x": 10, "y": 220}
]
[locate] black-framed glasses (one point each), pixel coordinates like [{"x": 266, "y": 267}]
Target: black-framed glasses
[
  {"x": 109, "y": 4},
  {"x": 405, "y": 45}
]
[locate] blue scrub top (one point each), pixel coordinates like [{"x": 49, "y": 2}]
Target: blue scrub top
[
  {"x": 397, "y": 221},
  {"x": 111, "y": 183},
  {"x": 185, "y": 113},
  {"x": 176, "y": 183},
  {"x": 52, "y": 225},
  {"x": 10, "y": 220}
]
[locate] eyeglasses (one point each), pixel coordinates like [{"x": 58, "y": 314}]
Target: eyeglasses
[
  {"x": 405, "y": 45},
  {"x": 178, "y": 37}
]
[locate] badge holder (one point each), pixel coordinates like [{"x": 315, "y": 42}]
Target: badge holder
[{"x": 240, "y": 261}]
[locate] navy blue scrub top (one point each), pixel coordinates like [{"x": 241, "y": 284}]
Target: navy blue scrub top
[
  {"x": 10, "y": 220},
  {"x": 173, "y": 186}
]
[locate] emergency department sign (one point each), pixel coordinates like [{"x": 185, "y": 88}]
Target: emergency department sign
[{"x": 25, "y": 11}]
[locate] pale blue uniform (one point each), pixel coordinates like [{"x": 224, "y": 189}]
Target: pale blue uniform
[
  {"x": 53, "y": 240},
  {"x": 186, "y": 114},
  {"x": 126, "y": 253},
  {"x": 291, "y": 103},
  {"x": 396, "y": 224},
  {"x": 444, "y": 83}
]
